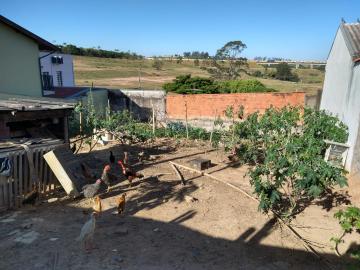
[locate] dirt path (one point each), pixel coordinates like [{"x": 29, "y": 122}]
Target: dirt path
[{"x": 161, "y": 229}]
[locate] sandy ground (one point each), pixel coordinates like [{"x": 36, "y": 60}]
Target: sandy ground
[{"x": 161, "y": 229}]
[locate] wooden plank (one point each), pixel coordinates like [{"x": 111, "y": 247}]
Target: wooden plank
[
  {"x": 26, "y": 174},
  {"x": 21, "y": 177},
  {"x": 6, "y": 191},
  {"x": 43, "y": 179},
  {"x": 2, "y": 192},
  {"x": 36, "y": 170},
  {"x": 11, "y": 194},
  {"x": 46, "y": 172},
  {"x": 66, "y": 167},
  {"x": 16, "y": 179}
]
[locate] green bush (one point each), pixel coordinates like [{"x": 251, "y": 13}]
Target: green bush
[
  {"x": 185, "y": 84},
  {"x": 286, "y": 147},
  {"x": 243, "y": 86}
]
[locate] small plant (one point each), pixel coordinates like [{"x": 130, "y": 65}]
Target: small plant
[
  {"x": 157, "y": 64},
  {"x": 349, "y": 221}
]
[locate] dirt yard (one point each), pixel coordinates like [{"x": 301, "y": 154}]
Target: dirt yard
[{"x": 203, "y": 225}]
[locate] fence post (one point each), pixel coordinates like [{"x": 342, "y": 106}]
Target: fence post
[
  {"x": 186, "y": 121},
  {"x": 153, "y": 118}
]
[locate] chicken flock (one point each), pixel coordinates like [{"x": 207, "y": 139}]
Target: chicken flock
[{"x": 92, "y": 191}]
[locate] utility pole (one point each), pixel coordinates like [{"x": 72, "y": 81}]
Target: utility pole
[{"x": 140, "y": 74}]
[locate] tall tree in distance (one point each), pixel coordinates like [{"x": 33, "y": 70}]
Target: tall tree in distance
[{"x": 228, "y": 62}]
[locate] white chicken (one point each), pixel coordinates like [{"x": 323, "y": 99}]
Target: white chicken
[{"x": 87, "y": 232}]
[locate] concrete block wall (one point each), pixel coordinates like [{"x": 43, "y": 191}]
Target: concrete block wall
[
  {"x": 209, "y": 106},
  {"x": 139, "y": 102}
]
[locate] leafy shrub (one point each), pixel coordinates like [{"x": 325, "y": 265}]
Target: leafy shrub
[
  {"x": 287, "y": 146},
  {"x": 243, "y": 86},
  {"x": 185, "y": 84},
  {"x": 157, "y": 64}
]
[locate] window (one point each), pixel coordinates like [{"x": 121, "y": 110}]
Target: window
[
  {"x": 57, "y": 60},
  {"x": 47, "y": 81},
  {"x": 59, "y": 78}
]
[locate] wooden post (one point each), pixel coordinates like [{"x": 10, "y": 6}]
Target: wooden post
[
  {"x": 186, "y": 121},
  {"x": 81, "y": 120},
  {"x": 66, "y": 129},
  {"x": 140, "y": 75},
  {"x": 153, "y": 117}
]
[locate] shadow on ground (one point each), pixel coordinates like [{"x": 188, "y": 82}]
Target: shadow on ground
[{"x": 132, "y": 242}]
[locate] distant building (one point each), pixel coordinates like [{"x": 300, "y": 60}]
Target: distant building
[
  {"x": 56, "y": 70},
  {"x": 341, "y": 92}
]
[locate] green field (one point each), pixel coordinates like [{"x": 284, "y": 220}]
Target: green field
[{"x": 122, "y": 73}]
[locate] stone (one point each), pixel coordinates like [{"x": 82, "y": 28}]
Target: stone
[
  {"x": 51, "y": 200},
  {"x": 200, "y": 163}
]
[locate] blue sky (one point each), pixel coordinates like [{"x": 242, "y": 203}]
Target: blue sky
[{"x": 296, "y": 29}]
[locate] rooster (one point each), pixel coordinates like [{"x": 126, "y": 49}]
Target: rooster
[
  {"x": 31, "y": 197},
  {"x": 86, "y": 173},
  {"x": 121, "y": 203},
  {"x": 87, "y": 232},
  {"x": 97, "y": 205},
  {"x": 129, "y": 173},
  {"x": 105, "y": 175},
  {"x": 91, "y": 190}
]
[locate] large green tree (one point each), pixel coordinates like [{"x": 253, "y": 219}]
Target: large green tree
[
  {"x": 284, "y": 73},
  {"x": 228, "y": 62}
]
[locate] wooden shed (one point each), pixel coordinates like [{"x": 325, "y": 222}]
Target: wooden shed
[{"x": 29, "y": 128}]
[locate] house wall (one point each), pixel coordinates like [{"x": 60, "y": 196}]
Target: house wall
[
  {"x": 19, "y": 64},
  {"x": 337, "y": 78},
  {"x": 341, "y": 96},
  {"x": 66, "y": 68},
  {"x": 352, "y": 119}
]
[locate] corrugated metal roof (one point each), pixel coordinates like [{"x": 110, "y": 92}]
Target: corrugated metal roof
[
  {"x": 24, "y": 103},
  {"x": 351, "y": 33}
]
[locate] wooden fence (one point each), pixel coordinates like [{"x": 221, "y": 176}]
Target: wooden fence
[{"x": 20, "y": 182}]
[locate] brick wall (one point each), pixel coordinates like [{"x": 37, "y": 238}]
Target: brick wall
[{"x": 211, "y": 105}]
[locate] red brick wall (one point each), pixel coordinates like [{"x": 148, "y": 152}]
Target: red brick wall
[{"x": 210, "y": 105}]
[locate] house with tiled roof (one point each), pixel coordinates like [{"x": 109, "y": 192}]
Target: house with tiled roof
[{"x": 341, "y": 91}]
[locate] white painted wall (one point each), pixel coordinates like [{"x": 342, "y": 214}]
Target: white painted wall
[
  {"x": 341, "y": 95},
  {"x": 352, "y": 119},
  {"x": 66, "y": 68}
]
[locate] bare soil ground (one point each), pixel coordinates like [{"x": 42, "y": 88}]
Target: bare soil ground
[{"x": 161, "y": 228}]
